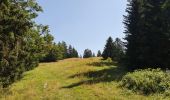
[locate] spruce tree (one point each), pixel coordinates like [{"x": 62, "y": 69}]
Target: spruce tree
[
  {"x": 108, "y": 49},
  {"x": 131, "y": 22},
  {"x": 147, "y": 34},
  {"x": 87, "y": 53},
  {"x": 64, "y": 49},
  {"x": 119, "y": 50},
  {"x": 99, "y": 54},
  {"x": 72, "y": 52},
  {"x": 69, "y": 51},
  {"x": 93, "y": 55}
]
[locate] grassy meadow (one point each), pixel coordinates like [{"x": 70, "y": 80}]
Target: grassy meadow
[{"x": 73, "y": 79}]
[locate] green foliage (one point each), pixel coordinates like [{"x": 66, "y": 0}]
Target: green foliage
[
  {"x": 87, "y": 53},
  {"x": 147, "y": 81},
  {"x": 18, "y": 37},
  {"x": 23, "y": 43},
  {"x": 109, "y": 60},
  {"x": 51, "y": 56},
  {"x": 64, "y": 49},
  {"x": 99, "y": 54},
  {"x": 147, "y": 34},
  {"x": 55, "y": 52},
  {"x": 72, "y": 52},
  {"x": 57, "y": 81},
  {"x": 108, "y": 49},
  {"x": 118, "y": 50},
  {"x": 93, "y": 55},
  {"x": 114, "y": 50}
]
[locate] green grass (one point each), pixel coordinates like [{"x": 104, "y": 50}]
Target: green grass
[{"x": 73, "y": 79}]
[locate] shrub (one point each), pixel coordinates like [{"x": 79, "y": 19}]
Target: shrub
[
  {"x": 109, "y": 60},
  {"x": 147, "y": 81}
]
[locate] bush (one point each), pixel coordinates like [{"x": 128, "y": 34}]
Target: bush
[{"x": 147, "y": 81}]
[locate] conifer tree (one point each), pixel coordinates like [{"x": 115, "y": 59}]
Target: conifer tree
[
  {"x": 119, "y": 50},
  {"x": 72, "y": 52},
  {"x": 87, "y": 53},
  {"x": 17, "y": 34},
  {"x": 64, "y": 45},
  {"x": 108, "y": 49},
  {"x": 147, "y": 34},
  {"x": 99, "y": 54},
  {"x": 93, "y": 55},
  {"x": 69, "y": 51}
]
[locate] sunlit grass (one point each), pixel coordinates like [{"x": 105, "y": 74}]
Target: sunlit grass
[{"x": 73, "y": 79}]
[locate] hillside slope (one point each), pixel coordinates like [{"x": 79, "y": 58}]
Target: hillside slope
[{"x": 72, "y": 79}]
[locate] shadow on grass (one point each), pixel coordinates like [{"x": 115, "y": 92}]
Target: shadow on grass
[
  {"x": 105, "y": 75},
  {"x": 102, "y": 63}
]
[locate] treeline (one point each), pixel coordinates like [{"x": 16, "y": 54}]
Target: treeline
[
  {"x": 114, "y": 50},
  {"x": 23, "y": 43},
  {"x": 147, "y": 45},
  {"x": 148, "y": 34},
  {"x": 88, "y": 53},
  {"x": 58, "y": 51},
  {"x": 20, "y": 39}
]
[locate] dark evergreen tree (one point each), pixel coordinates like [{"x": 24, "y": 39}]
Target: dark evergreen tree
[
  {"x": 72, "y": 52},
  {"x": 69, "y": 51},
  {"x": 119, "y": 50},
  {"x": 62, "y": 48},
  {"x": 93, "y": 55},
  {"x": 147, "y": 34},
  {"x": 108, "y": 49},
  {"x": 87, "y": 53},
  {"x": 64, "y": 45},
  {"x": 131, "y": 22},
  {"x": 114, "y": 50},
  {"x": 18, "y": 51},
  {"x": 99, "y": 54}
]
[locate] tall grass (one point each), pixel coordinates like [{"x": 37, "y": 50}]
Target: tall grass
[{"x": 74, "y": 79}]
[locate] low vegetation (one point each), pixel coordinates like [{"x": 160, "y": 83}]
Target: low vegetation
[
  {"x": 147, "y": 81},
  {"x": 24, "y": 43},
  {"x": 74, "y": 79}
]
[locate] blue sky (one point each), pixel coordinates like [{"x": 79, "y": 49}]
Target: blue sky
[{"x": 83, "y": 23}]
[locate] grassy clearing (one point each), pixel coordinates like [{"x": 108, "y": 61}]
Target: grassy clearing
[{"x": 73, "y": 79}]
